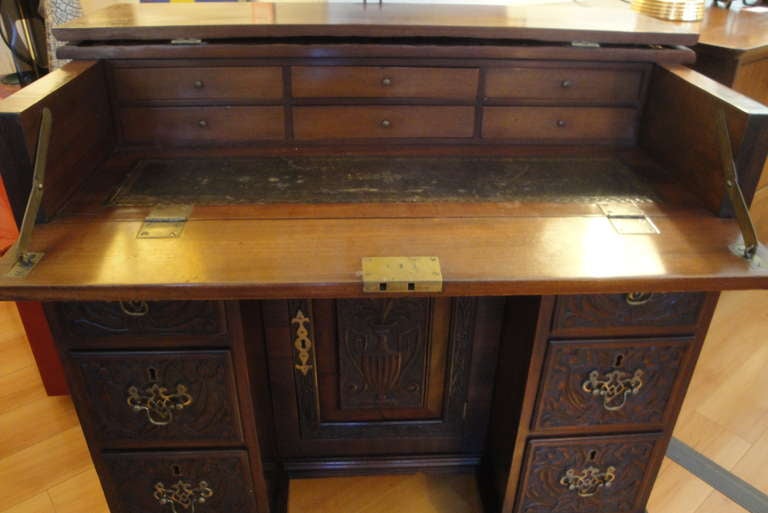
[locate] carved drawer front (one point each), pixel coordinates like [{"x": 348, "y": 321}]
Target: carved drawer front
[
  {"x": 632, "y": 313},
  {"x": 179, "y": 482},
  {"x": 201, "y": 125},
  {"x": 607, "y": 383},
  {"x": 559, "y": 123},
  {"x": 156, "y": 398},
  {"x": 384, "y": 82},
  {"x": 142, "y": 318},
  {"x": 589, "y": 475},
  {"x": 563, "y": 84},
  {"x": 198, "y": 83},
  {"x": 379, "y": 121}
]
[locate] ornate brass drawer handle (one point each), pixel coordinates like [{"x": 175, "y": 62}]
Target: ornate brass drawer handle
[
  {"x": 134, "y": 308},
  {"x": 588, "y": 481},
  {"x": 614, "y": 387},
  {"x": 638, "y": 298},
  {"x": 183, "y": 495},
  {"x": 158, "y": 403}
]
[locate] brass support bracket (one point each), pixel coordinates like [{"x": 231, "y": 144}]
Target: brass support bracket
[
  {"x": 402, "y": 274},
  {"x": 747, "y": 249},
  {"x": 23, "y": 260}
]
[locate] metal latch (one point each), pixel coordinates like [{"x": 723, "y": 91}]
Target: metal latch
[
  {"x": 165, "y": 222},
  {"x": 748, "y": 247},
  {"x": 402, "y": 274},
  {"x": 628, "y": 219},
  {"x": 24, "y": 261}
]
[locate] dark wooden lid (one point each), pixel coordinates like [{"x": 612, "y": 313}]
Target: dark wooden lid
[{"x": 601, "y": 21}]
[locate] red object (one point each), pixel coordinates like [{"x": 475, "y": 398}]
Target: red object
[{"x": 35, "y": 324}]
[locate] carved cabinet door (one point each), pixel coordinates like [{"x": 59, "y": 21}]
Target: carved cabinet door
[{"x": 381, "y": 375}]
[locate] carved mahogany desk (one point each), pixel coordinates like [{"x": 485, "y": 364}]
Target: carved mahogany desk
[{"x": 223, "y": 183}]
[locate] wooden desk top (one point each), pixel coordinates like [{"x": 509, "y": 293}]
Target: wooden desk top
[
  {"x": 604, "y": 21},
  {"x": 735, "y": 30}
]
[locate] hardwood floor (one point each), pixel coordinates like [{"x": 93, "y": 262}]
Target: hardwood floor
[{"x": 45, "y": 466}]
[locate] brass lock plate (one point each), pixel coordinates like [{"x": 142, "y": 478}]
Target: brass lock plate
[{"x": 402, "y": 274}]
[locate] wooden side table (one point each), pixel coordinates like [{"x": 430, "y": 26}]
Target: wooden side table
[{"x": 733, "y": 49}]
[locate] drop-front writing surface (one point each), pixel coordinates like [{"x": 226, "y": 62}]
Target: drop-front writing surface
[{"x": 580, "y": 245}]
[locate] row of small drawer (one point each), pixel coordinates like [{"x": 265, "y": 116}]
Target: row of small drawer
[
  {"x": 585, "y": 315},
  {"x": 237, "y": 83},
  {"x": 581, "y": 475},
  {"x": 211, "y": 124},
  {"x": 188, "y": 398}
]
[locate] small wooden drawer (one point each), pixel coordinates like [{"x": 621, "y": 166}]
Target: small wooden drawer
[
  {"x": 548, "y": 124},
  {"x": 198, "y": 83},
  {"x": 201, "y": 125},
  {"x": 384, "y": 82},
  {"x": 595, "y": 315},
  {"x": 588, "y": 475},
  {"x": 133, "y": 319},
  {"x": 604, "y": 86},
  {"x": 609, "y": 384},
  {"x": 374, "y": 122},
  {"x": 148, "y": 399},
  {"x": 143, "y": 482}
]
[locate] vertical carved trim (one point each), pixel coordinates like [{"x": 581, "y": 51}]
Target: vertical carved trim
[
  {"x": 306, "y": 382},
  {"x": 302, "y": 342}
]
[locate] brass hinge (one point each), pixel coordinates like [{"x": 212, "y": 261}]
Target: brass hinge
[
  {"x": 402, "y": 274},
  {"x": 748, "y": 247},
  {"x": 165, "y": 222},
  {"x": 628, "y": 219},
  {"x": 186, "y": 41},
  {"x": 23, "y": 260}
]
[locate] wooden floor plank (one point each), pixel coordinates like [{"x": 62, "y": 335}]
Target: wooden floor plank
[
  {"x": 40, "y": 503},
  {"x": 35, "y": 469},
  {"x": 79, "y": 494},
  {"x": 41, "y": 419}
]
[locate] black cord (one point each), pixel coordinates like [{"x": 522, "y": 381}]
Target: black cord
[{"x": 23, "y": 58}]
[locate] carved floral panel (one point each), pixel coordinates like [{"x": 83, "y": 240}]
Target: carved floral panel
[
  {"x": 594, "y": 383},
  {"x": 599, "y": 475}
]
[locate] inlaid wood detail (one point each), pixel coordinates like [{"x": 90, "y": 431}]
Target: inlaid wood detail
[
  {"x": 546, "y": 488},
  {"x": 605, "y": 314},
  {"x": 209, "y": 413},
  {"x": 570, "y": 397},
  {"x": 383, "y": 349},
  {"x": 220, "y": 478},
  {"x": 143, "y": 318}
]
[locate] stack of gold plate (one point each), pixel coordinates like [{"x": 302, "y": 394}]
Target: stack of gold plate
[{"x": 674, "y": 10}]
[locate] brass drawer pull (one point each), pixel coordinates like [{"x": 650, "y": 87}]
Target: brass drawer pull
[
  {"x": 588, "y": 482},
  {"x": 202, "y": 123},
  {"x": 182, "y": 494},
  {"x": 565, "y": 84},
  {"x": 385, "y": 123},
  {"x": 134, "y": 308},
  {"x": 638, "y": 298},
  {"x": 199, "y": 84},
  {"x": 386, "y": 81},
  {"x": 157, "y": 401},
  {"x": 614, "y": 387}
]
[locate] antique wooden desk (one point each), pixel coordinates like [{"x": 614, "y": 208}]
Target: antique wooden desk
[{"x": 560, "y": 162}]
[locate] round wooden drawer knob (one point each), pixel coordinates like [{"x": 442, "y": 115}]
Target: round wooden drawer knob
[
  {"x": 560, "y": 123},
  {"x": 386, "y": 81},
  {"x": 202, "y": 123},
  {"x": 199, "y": 84},
  {"x": 385, "y": 123}
]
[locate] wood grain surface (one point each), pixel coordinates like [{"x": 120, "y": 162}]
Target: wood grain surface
[{"x": 607, "y": 21}]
